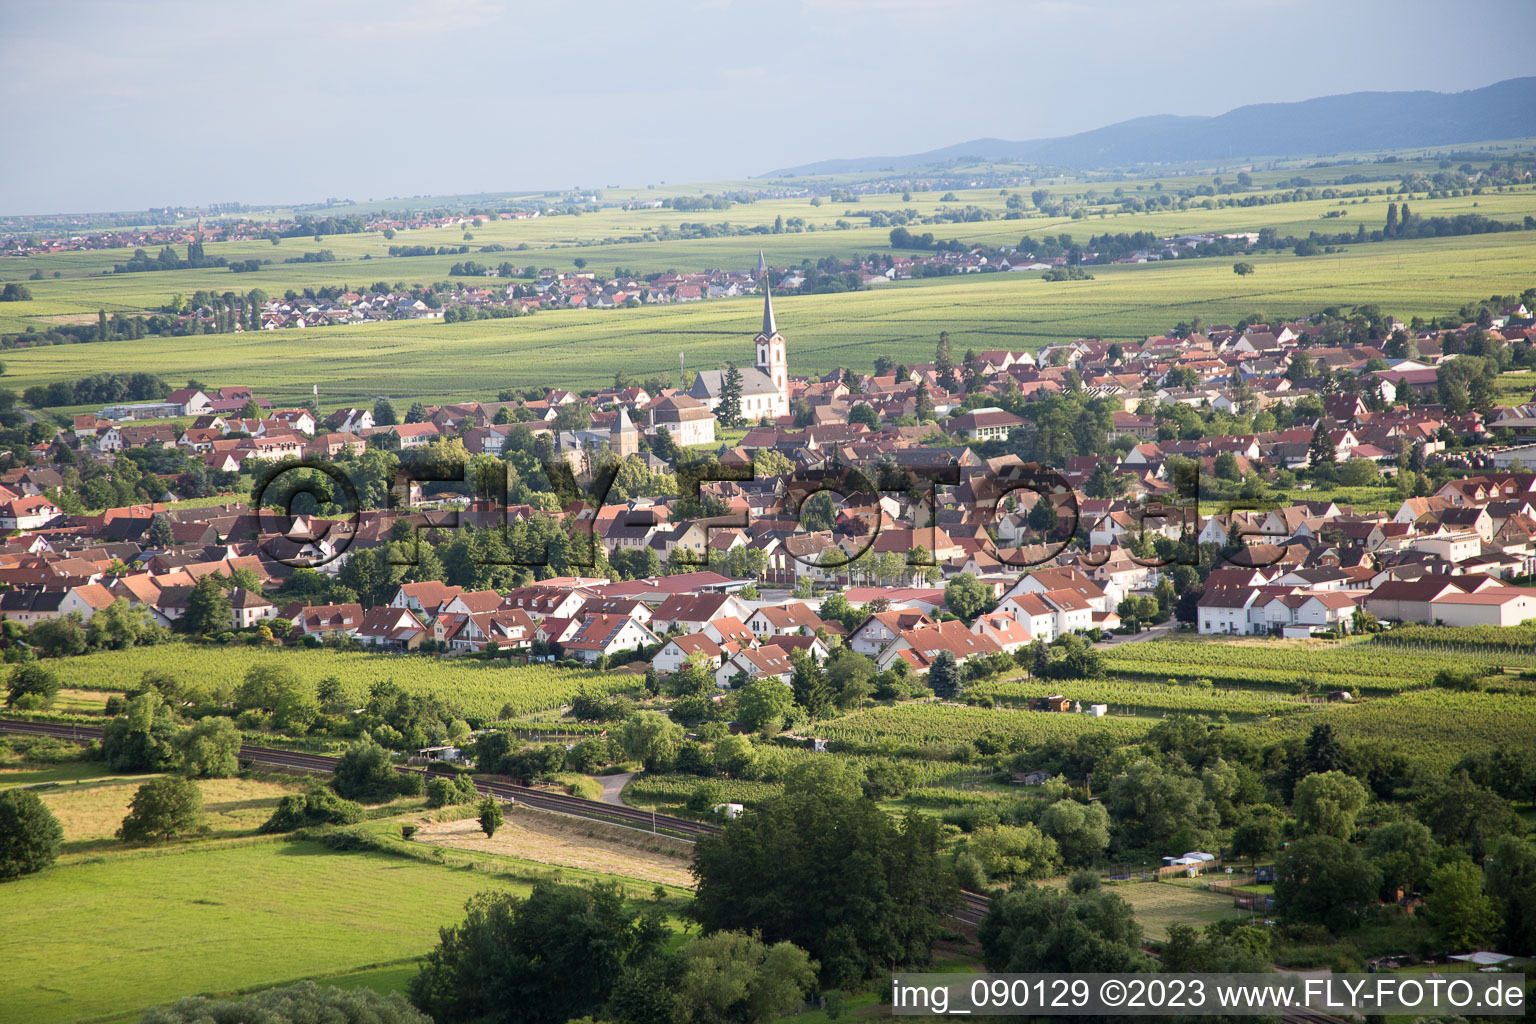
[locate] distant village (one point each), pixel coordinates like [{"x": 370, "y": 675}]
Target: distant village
[{"x": 737, "y": 579}]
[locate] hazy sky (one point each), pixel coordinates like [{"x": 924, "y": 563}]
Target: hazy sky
[{"x": 123, "y": 105}]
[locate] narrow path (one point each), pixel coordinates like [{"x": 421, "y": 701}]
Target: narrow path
[{"x": 613, "y": 785}]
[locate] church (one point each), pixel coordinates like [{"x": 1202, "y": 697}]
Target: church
[{"x": 765, "y": 385}]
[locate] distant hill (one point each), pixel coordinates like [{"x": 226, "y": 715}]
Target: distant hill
[{"x": 1330, "y": 124}]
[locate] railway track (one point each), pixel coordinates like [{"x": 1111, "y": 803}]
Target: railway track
[{"x": 544, "y": 800}]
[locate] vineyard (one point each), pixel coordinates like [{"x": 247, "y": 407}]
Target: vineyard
[
  {"x": 1517, "y": 644},
  {"x": 1144, "y": 698},
  {"x": 889, "y": 729},
  {"x": 1360, "y": 667},
  {"x": 477, "y": 689},
  {"x": 1434, "y": 728}
]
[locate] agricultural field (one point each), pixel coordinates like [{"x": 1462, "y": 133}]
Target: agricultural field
[
  {"x": 1358, "y": 667},
  {"x": 478, "y": 689},
  {"x": 906, "y": 726},
  {"x": 433, "y": 361}
]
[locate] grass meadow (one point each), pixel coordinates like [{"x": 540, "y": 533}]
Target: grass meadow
[{"x": 89, "y": 940}]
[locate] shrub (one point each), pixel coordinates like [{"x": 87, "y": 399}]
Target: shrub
[
  {"x": 293, "y": 1004},
  {"x": 317, "y": 807},
  {"x": 29, "y": 834},
  {"x": 443, "y": 792}
]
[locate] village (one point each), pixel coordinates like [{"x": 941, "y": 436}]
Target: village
[{"x": 736, "y": 578}]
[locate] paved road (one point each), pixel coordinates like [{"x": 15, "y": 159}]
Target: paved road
[
  {"x": 613, "y": 785},
  {"x": 1115, "y": 640}
]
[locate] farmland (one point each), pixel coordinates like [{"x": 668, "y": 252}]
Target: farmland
[{"x": 435, "y": 361}]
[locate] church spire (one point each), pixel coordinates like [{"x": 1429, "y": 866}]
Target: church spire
[{"x": 770, "y": 328}]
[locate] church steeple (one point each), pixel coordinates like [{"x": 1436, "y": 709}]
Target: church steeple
[
  {"x": 772, "y": 359},
  {"x": 770, "y": 328}
]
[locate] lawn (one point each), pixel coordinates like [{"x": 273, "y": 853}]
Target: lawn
[{"x": 99, "y": 938}]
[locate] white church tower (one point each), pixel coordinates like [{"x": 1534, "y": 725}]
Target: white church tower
[{"x": 772, "y": 358}]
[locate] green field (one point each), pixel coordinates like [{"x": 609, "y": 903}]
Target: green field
[
  {"x": 213, "y": 920},
  {"x": 572, "y": 348}
]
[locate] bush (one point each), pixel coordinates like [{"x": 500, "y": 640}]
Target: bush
[
  {"x": 317, "y": 807},
  {"x": 445, "y": 792},
  {"x": 163, "y": 809},
  {"x": 29, "y": 834},
  {"x": 293, "y": 1004}
]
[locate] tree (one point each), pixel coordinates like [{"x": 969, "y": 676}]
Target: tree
[
  {"x": 210, "y": 749},
  {"x": 384, "y": 414},
  {"x": 1462, "y": 916},
  {"x": 1081, "y": 831},
  {"x": 1155, "y": 806},
  {"x": 32, "y": 686},
  {"x": 365, "y": 773},
  {"x": 1011, "y": 852},
  {"x": 1242, "y": 269},
  {"x": 208, "y": 610},
  {"x": 729, "y": 410},
  {"x": 29, "y": 834},
  {"x": 160, "y": 535},
  {"x": 944, "y": 675},
  {"x": 1031, "y": 929},
  {"x": 163, "y": 809},
  {"x": 301, "y": 1003},
  {"x": 809, "y": 685},
  {"x": 144, "y": 738},
  {"x": 1510, "y": 872},
  {"x": 851, "y": 676},
  {"x": 733, "y": 976},
  {"x": 1326, "y": 804},
  {"x": 944, "y": 364},
  {"x": 1405, "y": 852},
  {"x": 924, "y": 408},
  {"x": 650, "y": 738},
  {"x": 1103, "y": 482},
  {"x": 1320, "y": 450},
  {"x": 824, "y": 867},
  {"x": 1324, "y": 880},
  {"x": 490, "y": 816},
  {"x": 540, "y": 960},
  {"x": 865, "y": 413},
  {"x": 967, "y": 596},
  {"x": 1257, "y": 837},
  {"x": 764, "y": 706}
]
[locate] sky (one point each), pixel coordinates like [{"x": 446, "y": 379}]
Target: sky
[{"x": 129, "y": 104}]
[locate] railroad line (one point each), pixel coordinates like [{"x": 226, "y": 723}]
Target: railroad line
[{"x": 559, "y": 803}]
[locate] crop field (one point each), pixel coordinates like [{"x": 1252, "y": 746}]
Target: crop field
[
  {"x": 1143, "y": 698},
  {"x": 1369, "y": 668},
  {"x": 213, "y": 920},
  {"x": 1433, "y": 728},
  {"x": 573, "y": 348},
  {"x": 478, "y": 689},
  {"x": 886, "y": 729}
]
